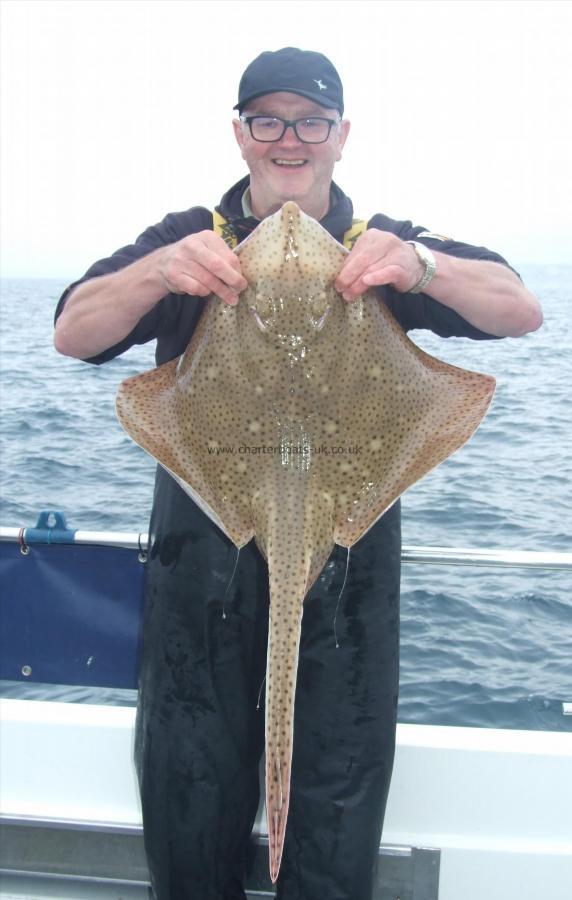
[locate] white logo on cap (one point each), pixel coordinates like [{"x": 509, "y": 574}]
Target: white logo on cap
[{"x": 320, "y": 84}]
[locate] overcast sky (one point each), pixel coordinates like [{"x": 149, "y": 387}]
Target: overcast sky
[{"x": 115, "y": 113}]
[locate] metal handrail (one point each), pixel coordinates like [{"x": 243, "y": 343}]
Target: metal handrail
[
  {"x": 448, "y": 556},
  {"x": 462, "y": 556}
]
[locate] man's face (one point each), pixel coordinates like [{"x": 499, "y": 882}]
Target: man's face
[{"x": 289, "y": 169}]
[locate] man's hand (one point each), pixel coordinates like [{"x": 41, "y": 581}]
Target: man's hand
[
  {"x": 102, "y": 311},
  {"x": 487, "y": 294},
  {"x": 202, "y": 264},
  {"x": 378, "y": 257}
]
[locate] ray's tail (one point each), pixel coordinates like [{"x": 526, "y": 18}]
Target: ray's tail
[
  {"x": 282, "y": 664},
  {"x": 295, "y": 554}
]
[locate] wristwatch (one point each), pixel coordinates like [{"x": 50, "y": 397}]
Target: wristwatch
[{"x": 427, "y": 259}]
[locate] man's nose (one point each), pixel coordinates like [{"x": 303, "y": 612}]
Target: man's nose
[{"x": 290, "y": 136}]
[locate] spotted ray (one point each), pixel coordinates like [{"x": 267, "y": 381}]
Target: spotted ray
[{"x": 298, "y": 419}]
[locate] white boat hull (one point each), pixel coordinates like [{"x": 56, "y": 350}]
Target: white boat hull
[{"x": 496, "y": 803}]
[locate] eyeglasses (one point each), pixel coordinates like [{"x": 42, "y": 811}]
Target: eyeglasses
[{"x": 310, "y": 130}]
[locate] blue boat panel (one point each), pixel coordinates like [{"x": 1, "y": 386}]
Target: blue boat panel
[{"x": 70, "y": 614}]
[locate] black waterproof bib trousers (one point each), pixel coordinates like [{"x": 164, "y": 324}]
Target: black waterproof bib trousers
[{"x": 200, "y": 735}]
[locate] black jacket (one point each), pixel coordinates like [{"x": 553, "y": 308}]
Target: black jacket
[{"x": 172, "y": 321}]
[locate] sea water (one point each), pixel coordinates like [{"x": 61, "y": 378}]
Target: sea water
[{"x": 479, "y": 646}]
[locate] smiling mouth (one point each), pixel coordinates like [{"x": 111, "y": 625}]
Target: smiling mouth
[{"x": 290, "y": 163}]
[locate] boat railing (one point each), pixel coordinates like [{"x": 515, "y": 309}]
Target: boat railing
[
  {"x": 89, "y": 636},
  {"x": 448, "y": 556}
]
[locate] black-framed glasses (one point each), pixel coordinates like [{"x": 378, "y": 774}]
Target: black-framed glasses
[{"x": 309, "y": 130}]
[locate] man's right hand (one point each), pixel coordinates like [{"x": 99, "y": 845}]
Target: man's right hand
[
  {"x": 102, "y": 311},
  {"x": 202, "y": 264}
]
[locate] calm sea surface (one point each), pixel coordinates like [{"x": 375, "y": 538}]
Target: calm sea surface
[{"x": 480, "y": 646}]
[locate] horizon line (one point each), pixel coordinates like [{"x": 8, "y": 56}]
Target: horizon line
[{"x": 76, "y": 277}]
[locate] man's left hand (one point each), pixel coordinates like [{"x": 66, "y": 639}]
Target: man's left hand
[{"x": 378, "y": 257}]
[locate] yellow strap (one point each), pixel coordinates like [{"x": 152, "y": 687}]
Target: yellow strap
[
  {"x": 352, "y": 234},
  {"x": 226, "y": 232}
]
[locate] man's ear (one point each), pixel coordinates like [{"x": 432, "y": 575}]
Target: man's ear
[
  {"x": 239, "y": 134},
  {"x": 344, "y": 130}
]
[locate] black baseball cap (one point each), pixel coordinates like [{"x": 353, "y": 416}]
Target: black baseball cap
[{"x": 302, "y": 72}]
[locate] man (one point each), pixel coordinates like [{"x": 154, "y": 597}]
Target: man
[{"x": 199, "y": 731}]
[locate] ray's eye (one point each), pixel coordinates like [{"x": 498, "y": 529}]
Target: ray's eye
[
  {"x": 319, "y": 322},
  {"x": 319, "y": 310},
  {"x": 261, "y": 324},
  {"x": 263, "y": 311}
]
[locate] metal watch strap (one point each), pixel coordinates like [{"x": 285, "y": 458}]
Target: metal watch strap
[{"x": 426, "y": 257}]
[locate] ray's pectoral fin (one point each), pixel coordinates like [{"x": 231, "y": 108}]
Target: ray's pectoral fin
[
  {"x": 184, "y": 413},
  {"x": 410, "y": 413}
]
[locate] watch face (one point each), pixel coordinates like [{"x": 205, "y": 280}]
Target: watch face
[
  {"x": 426, "y": 255},
  {"x": 423, "y": 252},
  {"x": 427, "y": 258}
]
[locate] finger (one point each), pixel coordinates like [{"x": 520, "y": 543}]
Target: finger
[
  {"x": 200, "y": 282},
  {"x": 354, "y": 266},
  {"x": 220, "y": 247},
  {"x": 374, "y": 248},
  {"x": 374, "y": 277},
  {"x": 220, "y": 261},
  {"x": 225, "y": 269},
  {"x": 382, "y": 275}
]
